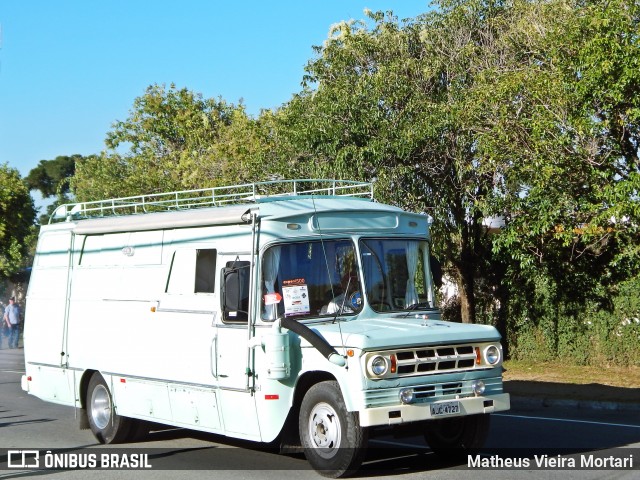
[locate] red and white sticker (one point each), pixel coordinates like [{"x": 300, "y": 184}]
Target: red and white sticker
[{"x": 272, "y": 298}]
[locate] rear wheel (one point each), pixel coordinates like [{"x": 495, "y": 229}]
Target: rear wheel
[
  {"x": 455, "y": 437},
  {"x": 333, "y": 441},
  {"x": 107, "y": 426}
]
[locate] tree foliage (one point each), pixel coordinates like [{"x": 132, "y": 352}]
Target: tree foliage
[
  {"x": 526, "y": 110},
  {"x": 484, "y": 108},
  {"x": 389, "y": 102},
  {"x": 17, "y": 215},
  {"x": 175, "y": 139},
  {"x": 165, "y": 144},
  {"x": 51, "y": 177}
]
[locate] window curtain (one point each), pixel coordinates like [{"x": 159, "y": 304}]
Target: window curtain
[
  {"x": 411, "y": 295},
  {"x": 271, "y": 266}
]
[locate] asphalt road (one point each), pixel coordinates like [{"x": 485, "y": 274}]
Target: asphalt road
[{"x": 27, "y": 422}]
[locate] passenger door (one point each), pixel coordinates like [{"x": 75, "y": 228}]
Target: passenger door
[
  {"x": 184, "y": 327},
  {"x": 232, "y": 356}
]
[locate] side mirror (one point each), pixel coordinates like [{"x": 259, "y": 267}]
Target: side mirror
[{"x": 235, "y": 291}]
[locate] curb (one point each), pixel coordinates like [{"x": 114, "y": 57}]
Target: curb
[{"x": 542, "y": 402}]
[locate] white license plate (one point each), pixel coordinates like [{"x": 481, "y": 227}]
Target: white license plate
[{"x": 445, "y": 408}]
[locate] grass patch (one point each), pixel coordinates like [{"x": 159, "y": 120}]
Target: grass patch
[{"x": 557, "y": 372}]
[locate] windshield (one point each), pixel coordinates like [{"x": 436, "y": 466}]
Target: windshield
[
  {"x": 396, "y": 274},
  {"x": 318, "y": 278},
  {"x": 308, "y": 279}
]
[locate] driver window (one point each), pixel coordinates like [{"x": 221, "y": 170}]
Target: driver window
[{"x": 308, "y": 279}]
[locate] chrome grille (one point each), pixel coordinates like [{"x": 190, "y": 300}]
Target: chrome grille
[
  {"x": 423, "y": 393},
  {"x": 426, "y": 360}
]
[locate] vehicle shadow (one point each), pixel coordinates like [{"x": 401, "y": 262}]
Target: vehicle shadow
[
  {"x": 388, "y": 456},
  {"x": 592, "y": 392}
]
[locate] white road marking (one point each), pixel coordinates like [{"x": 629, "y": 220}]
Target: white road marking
[{"x": 590, "y": 422}]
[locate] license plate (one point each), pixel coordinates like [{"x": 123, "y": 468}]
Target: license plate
[{"x": 445, "y": 408}]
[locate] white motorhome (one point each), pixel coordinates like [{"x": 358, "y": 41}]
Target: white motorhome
[{"x": 299, "y": 311}]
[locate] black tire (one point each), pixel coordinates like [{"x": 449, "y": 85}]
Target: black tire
[
  {"x": 333, "y": 440},
  {"x": 107, "y": 426},
  {"x": 456, "y": 437}
]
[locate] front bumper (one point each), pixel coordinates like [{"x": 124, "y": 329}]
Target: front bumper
[{"x": 399, "y": 414}]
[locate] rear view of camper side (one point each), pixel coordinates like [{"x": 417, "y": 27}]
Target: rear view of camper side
[{"x": 294, "y": 311}]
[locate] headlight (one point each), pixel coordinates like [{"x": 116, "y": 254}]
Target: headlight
[
  {"x": 378, "y": 366},
  {"x": 492, "y": 355},
  {"x": 478, "y": 387},
  {"x": 407, "y": 395}
]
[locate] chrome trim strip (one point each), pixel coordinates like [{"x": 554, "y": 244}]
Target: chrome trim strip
[
  {"x": 179, "y": 310},
  {"x": 134, "y": 377},
  {"x": 59, "y": 367}
]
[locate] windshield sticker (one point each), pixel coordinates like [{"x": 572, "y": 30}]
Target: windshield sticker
[
  {"x": 296, "y": 300},
  {"x": 272, "y": 298},
  {"x": 356, "y": 300}
]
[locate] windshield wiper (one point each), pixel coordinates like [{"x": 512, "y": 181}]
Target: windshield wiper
[
  {"x": 340, "y": 311},
  {"x": 418, "y": 306}
]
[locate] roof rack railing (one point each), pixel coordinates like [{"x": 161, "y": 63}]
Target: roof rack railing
[{"x": 211, "y": 197}]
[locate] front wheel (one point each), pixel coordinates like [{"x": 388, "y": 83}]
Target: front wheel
[
  {"x": 107, "y": 426},
  {"x": 455, "y": 437},
  {"x": 333, "y": 441}
]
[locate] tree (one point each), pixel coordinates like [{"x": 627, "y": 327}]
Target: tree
[
  {"x": 387, "y": 102},
  {"x": 252, "y": 150},
  {"x": 567, "y": 135},
  {"x": 485, "y": 108},
  {"x": 178, "y": 140},
  {"x": 169, "y": 134},
  {"x": 17, "y": 216},
  {"x": 51, "y": 177}
]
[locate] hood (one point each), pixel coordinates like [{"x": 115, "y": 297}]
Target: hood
[{"x": 400, "y": 332}]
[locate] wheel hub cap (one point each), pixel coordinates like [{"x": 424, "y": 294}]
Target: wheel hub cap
[
  {"x": 100, "y": 407},
  {"x": 324, "y": 429}
]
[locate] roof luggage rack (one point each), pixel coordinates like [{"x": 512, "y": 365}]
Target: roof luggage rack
[{"x": 211, "y": 197}]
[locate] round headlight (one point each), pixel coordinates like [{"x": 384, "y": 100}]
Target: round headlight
[
  {"x": 406, "y": 395},
  {"x": 378, "y": 365},
  {"x": 478, "y": 387},
  {"x": 492, "y": 354}
]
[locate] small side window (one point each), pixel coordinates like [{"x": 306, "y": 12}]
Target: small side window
[
  {"x": 192, "y": 271},
  {"x": 205, "y": 271}
]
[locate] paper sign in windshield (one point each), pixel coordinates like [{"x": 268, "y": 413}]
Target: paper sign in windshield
[{"x": 296, "y": 300}]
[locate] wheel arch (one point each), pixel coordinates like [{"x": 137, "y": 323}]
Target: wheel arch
[
  {"x": 84, "y": 386},
  {"x": 289, "y": 435},
  {"x": 308, "y": 380}
]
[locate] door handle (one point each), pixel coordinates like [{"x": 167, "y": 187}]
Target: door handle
[{"x": 213, "y": 351}]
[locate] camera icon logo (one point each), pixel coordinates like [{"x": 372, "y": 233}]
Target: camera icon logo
[{"x": 23, "y": 459}]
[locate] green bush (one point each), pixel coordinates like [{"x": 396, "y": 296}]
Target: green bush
[{"x": 587, "y": 334}]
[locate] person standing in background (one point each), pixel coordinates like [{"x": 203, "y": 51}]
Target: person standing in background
[{"x": 12, "y": 319}]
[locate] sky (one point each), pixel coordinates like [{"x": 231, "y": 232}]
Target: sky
[{"x": 70, "y": 68}]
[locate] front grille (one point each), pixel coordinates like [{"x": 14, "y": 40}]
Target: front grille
[
  {"x": 429, "y": 360},
  {"x": 424, "y": 393}
]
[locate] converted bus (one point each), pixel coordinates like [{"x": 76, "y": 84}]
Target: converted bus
[{"x": 299, "y": 312}]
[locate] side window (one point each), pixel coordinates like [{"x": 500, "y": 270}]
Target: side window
[
  {"x": 205, "y": 271},
  {"x": 192, "y": 271}
]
